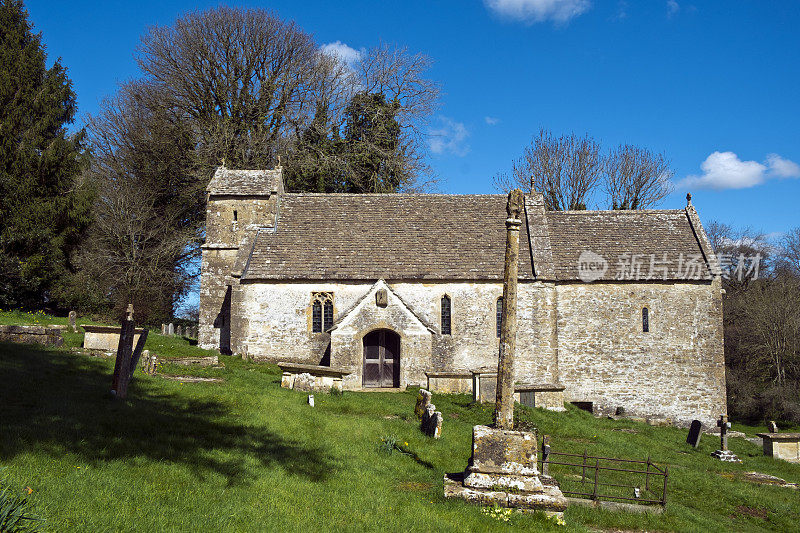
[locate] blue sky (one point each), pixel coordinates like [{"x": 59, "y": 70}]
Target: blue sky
[{"x": 714, "y": 85}]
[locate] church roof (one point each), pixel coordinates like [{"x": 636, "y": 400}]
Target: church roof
[
  {"x": 462, "y": 237},
  {"x": 229, "y": 182},
  {"x": 661, "y": 244},
  {"x": 389, "y": 236}
]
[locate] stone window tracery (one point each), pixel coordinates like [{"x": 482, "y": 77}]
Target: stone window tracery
[
  {"x": 446, "y": 315},
  {"x": 321, "y": 311},
  {"x": 645, "y": 320}
]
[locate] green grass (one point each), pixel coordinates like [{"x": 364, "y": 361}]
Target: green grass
[
  {"x": 246, "y": 455},
  {"x": 163, "y": 346}
]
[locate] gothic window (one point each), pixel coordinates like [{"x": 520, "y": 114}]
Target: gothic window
[
  {"x": 321, "y": 311},
  {"x": 235, "y": 215},
  {"x": 446, "y": 313},
  {"x": 645, "y": 320},
  {"x": 327, "y": 322},
  {"x": 499, "y": 314}
]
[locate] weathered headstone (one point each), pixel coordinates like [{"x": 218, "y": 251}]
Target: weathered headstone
[
  {"x": 73, "y": 317},
  {"x": 311, "y": 400},
  {"x": 179, "y": 331},
  {"x": 119, "y": 384},
  {"x": 772, "y": 426},
  {"x": 171, "y": 329},
  {"x": 423, "y": 401},
  {"x": 436, "y": 425},
  {"x": 723, "y": 454},
  {"x": 431, "y": 422},
  {"x": 163, "y": 329},
  {"x": 695, "y": 431}
]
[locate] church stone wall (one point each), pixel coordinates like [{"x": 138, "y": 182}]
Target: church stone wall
[
  {"x": 273, "y": 322},
  {"x": 227, "y": 217},
  {"x": 676, "y": 371},
  {"x": 227, "y": 220}
]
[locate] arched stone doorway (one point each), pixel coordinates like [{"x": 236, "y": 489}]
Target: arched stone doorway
[{"x": 381, "y": 359}]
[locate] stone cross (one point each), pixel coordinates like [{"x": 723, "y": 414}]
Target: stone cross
[
  {"x": 724, "y": 426},
  {"x": 504, "y": 403}
]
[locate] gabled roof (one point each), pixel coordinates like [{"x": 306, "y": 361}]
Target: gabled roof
[
  {"x": 229, "y": 182},
  {"x": 662, "y": 239},
  {"x": 367, "y": 237},
  {"x": 389, "y": 236}
]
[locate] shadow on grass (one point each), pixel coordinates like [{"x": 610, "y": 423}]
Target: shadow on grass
[{"x": 55, "y": 403}]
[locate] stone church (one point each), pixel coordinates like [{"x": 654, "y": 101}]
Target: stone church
[{"x": 618, "y": 311}]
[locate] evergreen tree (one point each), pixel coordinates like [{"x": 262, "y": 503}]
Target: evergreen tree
[
  {"x": 372, "y": 142},
  {"x": 43, "y": 208}
]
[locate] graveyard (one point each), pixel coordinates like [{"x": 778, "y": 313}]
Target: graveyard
[{"x": 242, "y": 453}]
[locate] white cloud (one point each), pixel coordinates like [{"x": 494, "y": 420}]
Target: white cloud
[
  {"x": 724, "y": 170},
  {"x": 783, "y": 168},
  {"x": 530, "y": 11},
  {"x": 492, "y": 121},
  {"x": 449, "y": 138},
  {"x": 672, "y": 8},
  {"x": 342, "y": 51}
]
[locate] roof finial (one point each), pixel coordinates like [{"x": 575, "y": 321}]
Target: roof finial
[
  {"x": 688, "y": 199},
  {"x": 279, "y": 162},
  {"x": 223, "y": 162}
]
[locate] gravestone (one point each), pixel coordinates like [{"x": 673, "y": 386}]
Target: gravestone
[
  {"x": 163, "y": 329},
  {"x": 311, "y": 400},
  {"x": 695, "y": 431},
  {"x": 723, "y": 454},
  {"x": 171, "y": 329},
  {"x": 423, "y": 401},
  {"x": 431, "y": 423},
  {"x": 772, "y": 426},
  {"x": 73, "y": 316},
  {"x": 179, "y": 331}
]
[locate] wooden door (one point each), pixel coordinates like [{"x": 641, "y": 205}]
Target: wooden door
[{"x": 381, "y": 359}]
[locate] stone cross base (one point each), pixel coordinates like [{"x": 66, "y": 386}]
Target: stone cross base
[
  {"x": 503, "y": 471},
  {"x": 726, "y": 455}
]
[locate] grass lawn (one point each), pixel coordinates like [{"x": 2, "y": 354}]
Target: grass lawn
[{"x": 246, "y": 455}]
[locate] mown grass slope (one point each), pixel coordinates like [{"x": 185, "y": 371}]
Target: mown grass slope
[{"x": 246, "y": 455}]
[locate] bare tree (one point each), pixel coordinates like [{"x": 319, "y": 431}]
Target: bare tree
[
  {"x": 790, "y": 251},
  {"x": 246, "y": 80},
  {"x": 636, "y": 178},
  {"x": 565, "y": 169}
]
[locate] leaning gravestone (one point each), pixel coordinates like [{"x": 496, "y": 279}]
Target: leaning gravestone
[
  {"x": 73, "y": 316},
  {"x": 431, "y": 423},
  {"x": 423, "y": 401},
  {"x": 695, "y": 431}
]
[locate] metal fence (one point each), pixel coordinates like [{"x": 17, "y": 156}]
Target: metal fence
[{"x": 605, "y": 478}]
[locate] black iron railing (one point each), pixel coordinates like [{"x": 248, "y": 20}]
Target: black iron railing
[{"x": 604, "y": 478}]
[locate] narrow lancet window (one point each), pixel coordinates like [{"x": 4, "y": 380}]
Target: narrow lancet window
[
  {"x": 645, "y": 320},
  {"x": 446, "y": 314},
  {"x": 235, "y": 215},
  {"x": 316, "y": 317},
  {"x": 499, "y": 315},
  {"x": 328, "y": 315}
]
